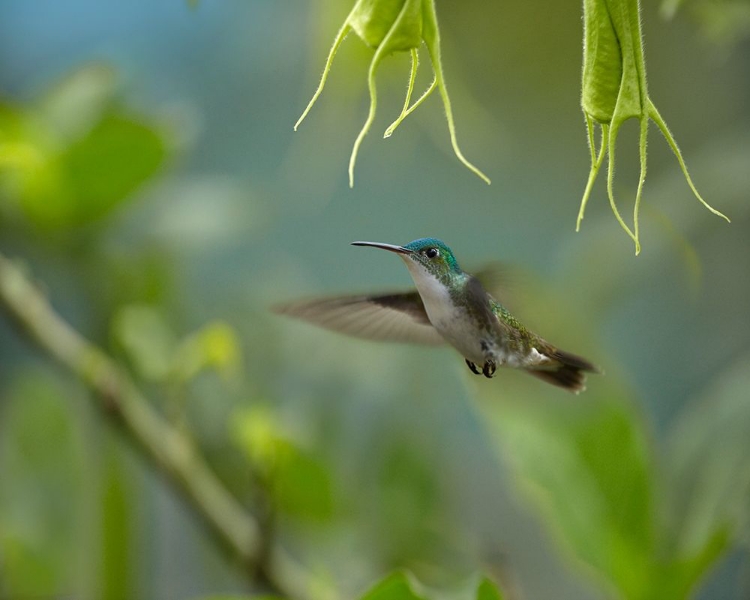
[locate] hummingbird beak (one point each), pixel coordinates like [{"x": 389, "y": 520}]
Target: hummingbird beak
[{"x": 389, "y": 247}]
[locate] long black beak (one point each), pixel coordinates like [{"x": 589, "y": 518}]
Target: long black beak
[{"x": 389, "y": 247}]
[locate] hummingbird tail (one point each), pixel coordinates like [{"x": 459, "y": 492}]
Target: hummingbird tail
[{"x": 569, "y": 373}]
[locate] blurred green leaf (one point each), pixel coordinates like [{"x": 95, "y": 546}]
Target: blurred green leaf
[
  {"x": 239, "y": 597},
  {"x": 396, "y": 586},
  {"x": 18, "y": 151},
  {"x": 96, "y": 172},
  {"x": 117, "y": 568},
  {"x": 17, "y": 156},
  {"x": 215, "y": 346},
  {"x": 487, "y": 590},
  {"x": 299, "y": 483},
  {"x": 72, "y": 106},
  {"x": 144, "y": 277},
  {"x": 677, "y": 574},
  {"x": 147, "y": 340},
  {"x": 28, "y": 568},
  {"x": 406, "y": 497},
  {"x": 256, "y": 431},
  {"x": 707, "y": 469},
  {"x": 40, "y": 470},
  {"x": 156, "y": 355},
  {"x": 587, "y": 467},
  {"x": 75, "y": 157},
  {"x": 302, "y": 486}
]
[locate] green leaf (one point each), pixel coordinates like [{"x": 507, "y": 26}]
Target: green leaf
[
  {"x": 302, "y": 486},
  {"x": 87, "y": 179},
  {"x": 215, "y": 346},
  {"x": 299, "y": 483},
  {"x": 19, "y": 149},
  {"x": 239, "y": 597},
  {"x": 76, "y": 156},
  {"x": 677, "y": 575},
  {"x": 117, "y": 568},
  {"x": 256, "y": 431},
  {"x": 487, "y": 590},
  {"x": 711, "y": 480},
  {"x": 396, "y": 586},
  {"x": 406, "y": 496},
  {"x": 707, "y": 472},
  {"x": 148, "y": 341},
  {"x": 41, "y": 473},
  {"x": 153, "y": 350},
  {"x": 587, "y": 468},
  {"x": 107, "y": 165}
]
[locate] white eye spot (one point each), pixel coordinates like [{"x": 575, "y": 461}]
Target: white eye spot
[{"x": 431, "y": 252}]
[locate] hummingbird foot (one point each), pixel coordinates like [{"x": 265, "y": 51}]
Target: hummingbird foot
[
  {"x": 489, "y": 368},
  {"x": 473, "y": 367}
]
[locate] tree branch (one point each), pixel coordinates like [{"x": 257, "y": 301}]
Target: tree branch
[{"x": 168, "y": 449}]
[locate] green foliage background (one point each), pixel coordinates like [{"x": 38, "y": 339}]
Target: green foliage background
[{"x": 150, "y": 178}]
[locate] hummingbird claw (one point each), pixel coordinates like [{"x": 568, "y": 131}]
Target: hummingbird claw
[
  {"x": 473, "y": 367},
  {"x": 489, "y": 368}
]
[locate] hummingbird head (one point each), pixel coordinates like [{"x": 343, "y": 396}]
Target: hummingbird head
[{"x": 424, "y": 256}]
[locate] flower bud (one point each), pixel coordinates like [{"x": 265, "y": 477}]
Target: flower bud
[
  {"x": 613, "y": 91},
  {"x": 394, "y": 26}
]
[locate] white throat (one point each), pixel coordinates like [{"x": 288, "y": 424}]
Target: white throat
[
  {"x": 452, "y": 322},
  {"x": 435, "y": 295}
]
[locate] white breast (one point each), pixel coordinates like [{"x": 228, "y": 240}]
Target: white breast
[
  {"x": 435, "y": 295},
  {"x": 450, "y": 322}
]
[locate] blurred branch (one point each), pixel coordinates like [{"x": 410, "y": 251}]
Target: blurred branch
[{"x": 170, "y": 451}]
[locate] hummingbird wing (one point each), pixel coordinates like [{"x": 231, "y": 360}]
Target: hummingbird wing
[
  {"x": 398, "y": 317},
  {"x": 505, "y": 282}
]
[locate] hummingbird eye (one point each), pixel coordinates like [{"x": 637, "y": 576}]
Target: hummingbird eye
[{"x": 431, "y": 252}]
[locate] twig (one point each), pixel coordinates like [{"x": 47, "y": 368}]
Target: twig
[{"x": 167, "y": 448}]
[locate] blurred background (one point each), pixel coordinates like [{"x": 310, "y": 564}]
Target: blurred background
[{"x": 151, "y": 181}]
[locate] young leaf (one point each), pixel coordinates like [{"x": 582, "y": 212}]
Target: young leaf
[
  {"x": 396, "y": 586},
  {"x": 299, "y": 483},
  {"x": 77, "y": 156},
  {"x": 588, "y": 472},
  {"x": 707, "y": 473},
  {"x": 487, "y": 590},
  {"x": 150, "y": 345}
]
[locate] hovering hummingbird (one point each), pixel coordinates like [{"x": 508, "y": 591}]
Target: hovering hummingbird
[{"x": 449, "y": 306}]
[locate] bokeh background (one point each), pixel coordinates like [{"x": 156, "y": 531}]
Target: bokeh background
[{"x": 152, "y": 182}]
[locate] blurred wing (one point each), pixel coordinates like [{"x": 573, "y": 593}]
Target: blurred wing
[
  {"x": 387, "y": 317},
  {"x": 500, "y": 280}
]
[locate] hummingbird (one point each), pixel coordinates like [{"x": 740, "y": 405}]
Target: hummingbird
[{"x": 449, "y": 306}]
